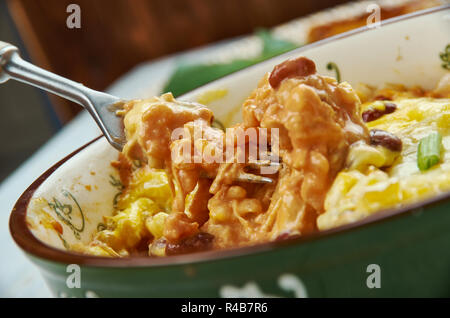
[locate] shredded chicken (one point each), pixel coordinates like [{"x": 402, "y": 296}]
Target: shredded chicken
[{"x": 316, "y": 119}]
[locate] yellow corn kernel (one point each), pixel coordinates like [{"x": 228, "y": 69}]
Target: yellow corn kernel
[
  {"x": 129, "y": 225},
  {"x": 249, "y": 206},
  {"x": 220, "y": 212},
  {"x": 443, "y": 121},
  {"x": 389, "y": 156},
  {"x": 144, "y": 204},
  {"x": 362, "y": 155},
  {"x": 155, "y": 224},
  {"x": 156, "y": 249},
  {"x": 341, "y": 186},
  {"x": 153, "y": 184},
  {"x": 415, "y": 114},
  {"x": 236, "y": 192},
  {"x": 381, "y": 196}
]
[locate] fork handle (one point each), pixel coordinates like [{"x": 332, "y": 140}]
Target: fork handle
[{"x": 12, "y": 66}]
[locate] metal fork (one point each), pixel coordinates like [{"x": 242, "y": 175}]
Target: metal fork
[{"x": 101, "y": 106}]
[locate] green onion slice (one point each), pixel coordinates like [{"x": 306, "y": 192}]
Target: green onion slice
[{"x": 429, "y": 151}]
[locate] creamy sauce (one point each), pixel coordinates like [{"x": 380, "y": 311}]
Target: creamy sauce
[{"x": 181, "y": 192}]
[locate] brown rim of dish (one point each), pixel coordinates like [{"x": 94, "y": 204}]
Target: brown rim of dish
[{"x": 30, "y": 244}]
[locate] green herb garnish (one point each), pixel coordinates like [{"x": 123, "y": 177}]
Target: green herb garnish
[
  {"x": 333, "y": 67},
  {"x": 445, "y": 57},
  {"x": 429, "y": 151}
]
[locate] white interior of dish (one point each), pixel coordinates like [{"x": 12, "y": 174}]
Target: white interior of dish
[{"x": 405, "y": 52}]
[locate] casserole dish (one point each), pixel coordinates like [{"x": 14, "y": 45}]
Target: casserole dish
[{"x": 407, "y": 247}]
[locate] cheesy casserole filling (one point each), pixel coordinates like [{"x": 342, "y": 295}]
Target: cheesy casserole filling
[{"x": 344, "y": 155}]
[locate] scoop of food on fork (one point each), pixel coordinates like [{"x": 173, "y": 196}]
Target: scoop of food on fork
[{"x": 101, "y": 106}]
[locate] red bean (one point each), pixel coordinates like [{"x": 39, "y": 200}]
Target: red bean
[
  {"x": 298, "y": 67},
  {"x": 199, "y": 242},
  {"x": 374, "y": 113},
  {"x": 371, "y": 114},
  {"x": 383, "y": 138},
  {"x": 389, "y": 107}
]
